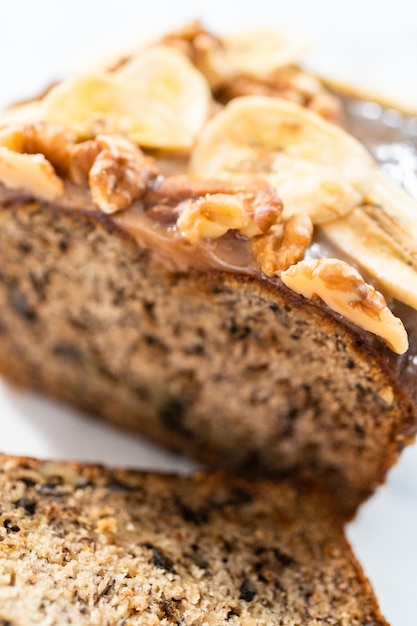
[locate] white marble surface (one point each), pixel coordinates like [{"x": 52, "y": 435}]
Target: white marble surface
[{"x": 368, "y": 42}]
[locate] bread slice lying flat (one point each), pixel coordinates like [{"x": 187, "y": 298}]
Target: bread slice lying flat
[{"x": 89, "y": 545}]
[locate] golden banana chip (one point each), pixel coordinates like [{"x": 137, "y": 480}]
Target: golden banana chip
[{"x": 314, "y": 165}]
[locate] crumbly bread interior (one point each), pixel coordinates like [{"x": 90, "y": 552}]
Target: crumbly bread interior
[
  {"x": 88, "y": 545},
  {"x": 233, "y": 370}
]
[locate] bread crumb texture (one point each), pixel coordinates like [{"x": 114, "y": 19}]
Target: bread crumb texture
[
  {"x": 88, "y": 545},
  {"x": 236, "y": 371}
]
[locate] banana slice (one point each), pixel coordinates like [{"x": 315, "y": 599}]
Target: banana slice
[
  {"x": 257, "y": 52},
  {"x": 315, "y": 166},
  {"x": 395, "y": 201},
  {"x": 381, "y": 237},
  {"x": 159, "y": 99},
  {"x": 262, "y": 51},
  {"x": 83, "y": 104},
  {"x": 165, "y": 77}
]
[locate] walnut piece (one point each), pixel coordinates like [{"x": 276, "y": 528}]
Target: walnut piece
[
  {"x": 263, "y": 207},
  {"x": 202, "y": 48},
  {"x": 344, "y": 290},
  {"x": 27, "y": 156},
  {"x": 50, "y": 140},
  {"x": 211, "y": 216},
  {"x": 82, "y": 158},
  {"x": 289, "y": 83},
  {"x": 117, "y": 172},
  {"x": 211, "y": 208},
  {"x": 285, "y": 245}
]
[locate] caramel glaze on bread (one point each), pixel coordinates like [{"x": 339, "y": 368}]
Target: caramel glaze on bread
[
  {"x": 234, "y": 370},
  {"x": 88, "y": 545}
]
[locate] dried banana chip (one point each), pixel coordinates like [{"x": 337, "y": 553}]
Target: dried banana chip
[
  {"x": 166, "y": 77},
  {"x": 255, "y": 53},
  {"x": 158, "y": 98},
  {"x": 381, "y": 237},
  {"x": 262, "y": 51},
  {"x": 316, "y": 167}
]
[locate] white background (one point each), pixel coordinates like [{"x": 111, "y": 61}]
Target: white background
[{"x": 371, "y": 43}]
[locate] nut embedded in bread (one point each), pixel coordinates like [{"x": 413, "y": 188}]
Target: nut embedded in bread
[{"x": 89, "y": 545}]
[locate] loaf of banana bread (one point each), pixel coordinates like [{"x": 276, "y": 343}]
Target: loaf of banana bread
[
  {"x": 204, "y": 289},
  {"x": 88, "y": 545}
]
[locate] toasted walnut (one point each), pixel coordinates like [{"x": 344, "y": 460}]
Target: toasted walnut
[
  {"x": 82, "y": 159},
  {"x": 200, "y": 46},
  {"x": 284, "y": 245},
  {"x": 52, "y": 141},
  {"x": 12, "y": 138},
  {"x": 31, "y": 172},
  {"x": 117, "y": 172},
  {"x": 263, "y": 207},
  {"x": 49, "y": 140},
  {"x": 277, "y": 85},
  {"x": 119, "y": 177},
  {"x": 328, "y": 106},
  {"x": 212, "y": 207},
  {"x": 289, "y": 83},
  {"x": 187, "y": 35},
  {"x": 344, "y": 290},
  {"x": 211, "y": 216},
  {"x": 27, "y": 156}
]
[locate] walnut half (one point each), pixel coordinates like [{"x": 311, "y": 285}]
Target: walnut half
[
  {"x": 117, "y": 172},
  {"x": 213, "y": 207},
  {"x": 344, "y": 290},
  {"x": 285, "y": 245},
  {"x": 28, "y": 155}
]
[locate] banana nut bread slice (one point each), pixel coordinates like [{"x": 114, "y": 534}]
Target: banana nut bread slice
[
  {"x": 234, "y": 370},
  {"x": 84, "y": 544}
]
